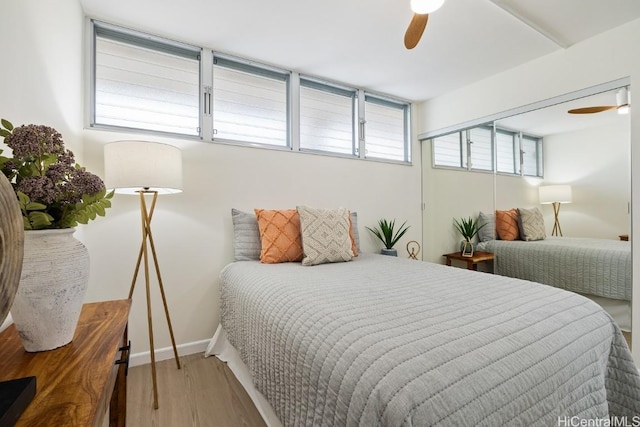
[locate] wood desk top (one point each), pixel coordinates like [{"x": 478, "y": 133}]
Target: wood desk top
[
  {"x": 477, "y": 256},
  {"x": 71, "y": 380}
]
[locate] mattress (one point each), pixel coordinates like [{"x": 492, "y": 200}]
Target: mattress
[
  {"x": 382, "y": 341},
  {"x": 600, "y": 267}
]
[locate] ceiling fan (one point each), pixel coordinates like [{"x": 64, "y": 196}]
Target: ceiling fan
[
  {"x": 623, "y": 102},
  {"x": 421, "y": 10}
]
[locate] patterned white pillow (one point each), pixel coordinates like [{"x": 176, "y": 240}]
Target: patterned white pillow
[
  {"x": 325, "y": 235},
  {"x": 531, "y": 224}
]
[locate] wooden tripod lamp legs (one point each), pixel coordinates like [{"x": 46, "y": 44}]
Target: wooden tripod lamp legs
[
  {"x": 147, "y": 241},
  {"x": 556, "y": 224}
]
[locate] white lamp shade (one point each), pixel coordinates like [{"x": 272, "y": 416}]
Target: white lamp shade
[
  {"x": 131, "y": 166},
  {"x": 426, "y": 6},
  {"x": 555, "y": 194}
]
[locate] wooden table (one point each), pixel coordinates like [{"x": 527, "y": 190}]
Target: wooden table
[
  {"x": 77, "y": 383},
  {"x": 472, "y": 262}
]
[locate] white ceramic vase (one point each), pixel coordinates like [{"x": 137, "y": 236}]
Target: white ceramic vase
[{"x": 54, "y": 280}]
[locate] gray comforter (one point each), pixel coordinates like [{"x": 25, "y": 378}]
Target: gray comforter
[
  {"x": 382, "y": 341},
  {"x": 599, "y": 267}
]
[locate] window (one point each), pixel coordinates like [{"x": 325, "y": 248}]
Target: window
[
  {"x": 508, "y": 152},
  {"x": 480, "y": 148},
  {"x": 473, "y": 149},
  {"x": 531, "y": 156},
  {"x": 447, "y": 150},
  {"x": 250, "y": 103},
  {"x": 467, "y": 149},
  {"x": 386, "y": 129},
  {"x": 145, "y": 83},
  {"x": 327, "y": 117}
]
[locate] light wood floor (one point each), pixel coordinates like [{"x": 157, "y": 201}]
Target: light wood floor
[{"x": 203, "y": 393}]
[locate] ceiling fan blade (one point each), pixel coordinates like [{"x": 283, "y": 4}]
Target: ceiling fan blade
[
  {"x": 414, "y": 31},
  {"x": 590, "y": 110}
]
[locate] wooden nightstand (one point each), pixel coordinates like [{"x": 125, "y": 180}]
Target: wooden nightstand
[
  {"x": 77, "y": 383},
  {"x": 472, "y": 262},
  {"x": 624, "y": 237}
]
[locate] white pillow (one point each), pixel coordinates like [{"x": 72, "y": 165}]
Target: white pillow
[
  {"x": 325, "y": 235},
  {"x": 531, "y": 224}
]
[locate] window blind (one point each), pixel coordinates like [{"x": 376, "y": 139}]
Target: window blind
[
  {"x": 531, "y": 157},
  {"x": 249, "y": 104},
  {"x": 141, "y": 87},
  {"x": 507, "y": 152},
  {"x": 327, "y": 117},
  {"x": 481, "y": 148},
  {"x": 447, "y": 150},
  {"x": 386, "y": 133}
]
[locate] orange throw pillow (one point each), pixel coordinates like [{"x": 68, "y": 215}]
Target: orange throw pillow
[
  {"x": 280, "y": 236},
  {"x": 507, "y": 224}
]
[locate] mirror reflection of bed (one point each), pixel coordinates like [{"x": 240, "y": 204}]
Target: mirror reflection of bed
[{"x": 591, "y": 154}]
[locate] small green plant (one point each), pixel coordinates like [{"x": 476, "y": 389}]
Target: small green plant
[
  {"x": 387, "y": 234},
  {"x": 468, "y": 227}
]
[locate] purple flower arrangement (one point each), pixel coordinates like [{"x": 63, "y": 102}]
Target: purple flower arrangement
[{"x": 53, "y": 191}]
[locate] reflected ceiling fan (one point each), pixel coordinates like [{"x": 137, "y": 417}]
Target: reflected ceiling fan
[
  {"x": 623, "y": 102},
  {"x": 421, "y": 10}
]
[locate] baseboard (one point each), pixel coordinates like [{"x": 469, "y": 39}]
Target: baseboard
[{"x": 165, "y": 353}]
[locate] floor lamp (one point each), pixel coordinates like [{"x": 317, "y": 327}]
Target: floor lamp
[
  {"x": 146, "y": 169},
  {"x": 555, "y": 195}
]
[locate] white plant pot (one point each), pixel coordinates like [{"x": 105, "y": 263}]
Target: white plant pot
[{"x": 54, "y": 280}]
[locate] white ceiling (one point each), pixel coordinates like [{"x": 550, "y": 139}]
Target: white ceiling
[
  {"x": 555, "y": 119},
  {"x": 360, "y": 42}
]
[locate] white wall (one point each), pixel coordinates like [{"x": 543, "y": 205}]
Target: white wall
[
  {"x": 42, "y": 67},
  {"x": 595, "y": 162},
  {"x": 604, "y": 58},
  {"x": 41, "y": 82}
]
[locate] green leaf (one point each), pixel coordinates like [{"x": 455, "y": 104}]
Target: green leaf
[
  {"x": 35, "y": 206},
  {"x": 4, "y": 133},
  {"x": 40, "y": 220},
  {"x": 23, "y": 199},
  {"x": 385, "y": 232},
  {"x": 6, "y": 124}
]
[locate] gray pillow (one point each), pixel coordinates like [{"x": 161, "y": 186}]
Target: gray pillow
[
  {"x": 488, "y": 232},
  {"x": 246, "y": 236},
  {"x": 531, "y": 223}
]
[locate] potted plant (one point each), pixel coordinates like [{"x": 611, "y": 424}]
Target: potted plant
[
  {"x": 468, "y": 228},
  {"x": 54, "y": 194},
  {"x": 385, "y": 231}
]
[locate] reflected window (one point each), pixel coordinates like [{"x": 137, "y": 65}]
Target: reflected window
[{"x": 475, "y": 149}]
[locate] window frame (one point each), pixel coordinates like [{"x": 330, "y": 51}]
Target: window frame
[
  {"x": 250, "y": 67},
  {"x": 405, "y": 107},
  {"x": 205, "y": 131},
  {"x": 144, "y": 40},
  {"x": 517, "y": 138},
  {"x": 335, "y": 89}
]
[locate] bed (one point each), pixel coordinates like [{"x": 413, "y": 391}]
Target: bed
[
  {"x": 383, "y": 341},
  {"x": 600, "y": 267},
  {"x": 597, "y": 268}
]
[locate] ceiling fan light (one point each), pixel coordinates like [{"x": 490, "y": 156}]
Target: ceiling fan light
[{"x": 423, "y": 7}]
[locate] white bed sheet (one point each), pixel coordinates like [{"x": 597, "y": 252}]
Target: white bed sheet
[{"x": 220, "y": 347}]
